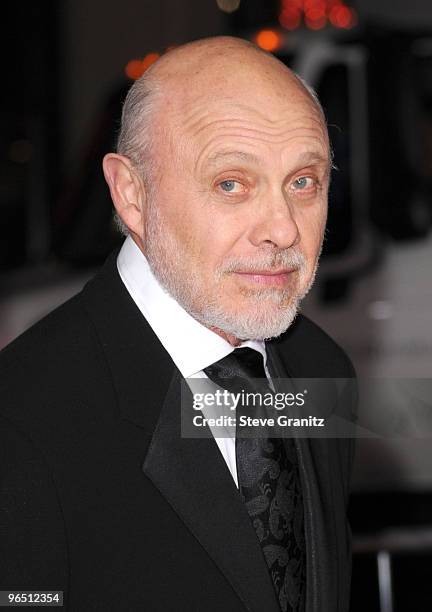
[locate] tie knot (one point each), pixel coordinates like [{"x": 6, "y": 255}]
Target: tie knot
[{"x": 245, "y": 363}]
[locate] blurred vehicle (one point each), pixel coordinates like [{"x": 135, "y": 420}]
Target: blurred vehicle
[{"x": 338, "y": 73}]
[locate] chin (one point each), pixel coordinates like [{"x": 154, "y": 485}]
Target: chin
[{"x": 254, "y": 323}]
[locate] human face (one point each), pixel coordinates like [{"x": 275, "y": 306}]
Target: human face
[{"x": 236, "y": 219}]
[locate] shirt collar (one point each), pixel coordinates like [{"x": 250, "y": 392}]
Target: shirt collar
[{"x": 191, "y": 345}]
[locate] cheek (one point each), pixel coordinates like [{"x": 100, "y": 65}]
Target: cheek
[
  {"x": 217, "y": 246},
  {"x": 311, "y": 226},
  {"x": 213, "y": 235},
  {"x": 206, "y": 235},
  {"x": 203, "y": 240}
]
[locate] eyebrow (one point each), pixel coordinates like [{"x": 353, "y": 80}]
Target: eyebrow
[
  {"x": 221, "y": 155},
  {"x": 313, "y": 157},
  {"x": 306, "y": 158}
]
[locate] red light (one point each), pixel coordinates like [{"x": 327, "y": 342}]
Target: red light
[
  {"x": 149, "y": 59},
  {"x": 341, "y": 17},
  {"x": 311, "y": 5},
  {"x": 290, "y": 19},
  {"x": 133, "y": 69},
  {"x": 136, "y": 68},
  {"x": 316, "y": 24},
  {"x": 269, "y": 40},
  {"x": 315, "y": 14}
]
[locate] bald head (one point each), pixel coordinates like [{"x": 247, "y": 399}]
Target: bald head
[
  {"x": 210, "y": 63},
  {"x": 210, "y": 69}
]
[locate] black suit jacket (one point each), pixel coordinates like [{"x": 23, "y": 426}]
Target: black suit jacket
[{"x": 101, "y": 497}]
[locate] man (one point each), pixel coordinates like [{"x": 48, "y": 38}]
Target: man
[{"x": 221, "y": 180}]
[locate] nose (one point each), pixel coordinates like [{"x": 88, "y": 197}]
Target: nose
[{"x": 274, "y": 223}]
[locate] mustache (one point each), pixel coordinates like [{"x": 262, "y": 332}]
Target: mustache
[{"x": 289, "y": 258}]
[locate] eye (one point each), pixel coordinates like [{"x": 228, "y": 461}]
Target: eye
[
  {"x": 231, "y": 186},
  {"x": 303, "y": 183}
]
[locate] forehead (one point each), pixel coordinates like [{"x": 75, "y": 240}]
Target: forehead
[{"x": 211, "y": 128}]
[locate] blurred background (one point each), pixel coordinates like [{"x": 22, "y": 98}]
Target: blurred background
[{"x": 66, "y": 68}]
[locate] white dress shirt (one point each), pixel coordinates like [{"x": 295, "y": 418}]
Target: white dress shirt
[{"x": 191, "y": 346}]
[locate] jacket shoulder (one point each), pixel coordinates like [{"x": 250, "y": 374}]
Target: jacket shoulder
[
  {"x": 54, "y": 344},
  {"x": 53, "y": 374},
  {"x": 308, "y": 351}
]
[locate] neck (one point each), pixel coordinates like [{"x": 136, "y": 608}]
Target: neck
[{"x": 228, "y": 337}]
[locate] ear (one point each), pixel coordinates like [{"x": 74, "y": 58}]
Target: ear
[{"x": 127, "y": 191}]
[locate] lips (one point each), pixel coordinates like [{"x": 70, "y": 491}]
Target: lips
[
  {"x": 267, "y": 277},
  {"x": 267, "y": 272}
]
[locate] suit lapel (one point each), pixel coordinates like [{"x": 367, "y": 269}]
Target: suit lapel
[
  {"x": 190, "y": 473},
  {"x": 194, "y": 478}
]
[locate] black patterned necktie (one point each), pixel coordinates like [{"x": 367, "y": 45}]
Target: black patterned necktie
[{"x": 269, "y": 484}]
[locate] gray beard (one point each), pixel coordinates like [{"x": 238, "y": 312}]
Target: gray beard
[{"x": 167, "y": 256}]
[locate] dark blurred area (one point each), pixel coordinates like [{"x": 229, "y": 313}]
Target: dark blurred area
[
  {"x": 29, "y": 127},
  {"x": 66, "y": 70}
]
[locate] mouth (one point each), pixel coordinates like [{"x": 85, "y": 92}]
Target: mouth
[{"x": 267, "y": 278}]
